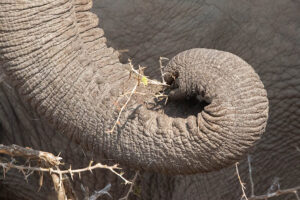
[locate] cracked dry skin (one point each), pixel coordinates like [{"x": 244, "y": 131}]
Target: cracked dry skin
[{"x": 72, "y": 80}]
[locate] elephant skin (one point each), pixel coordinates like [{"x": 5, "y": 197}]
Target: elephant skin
[{"x": 266, "y": 34}]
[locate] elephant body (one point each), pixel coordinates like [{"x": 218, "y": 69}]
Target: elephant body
[{"x": 266, "y": 34}]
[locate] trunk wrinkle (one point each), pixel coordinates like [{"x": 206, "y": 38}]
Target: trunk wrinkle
[{"x": 60, "y": 63}]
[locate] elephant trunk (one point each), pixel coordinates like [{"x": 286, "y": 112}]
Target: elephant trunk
[
  {"x": 58, "y": 60},
  {"x": 236, "y": 110}
]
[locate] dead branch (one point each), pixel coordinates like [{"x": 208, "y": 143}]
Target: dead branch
[
  {"x": 141, "y": 76},
  {"x": 162, "y": 67},
  {"x": 61, "y": 172},
  {"x": 59, "y": 188},
  {"x": 69, "y": 189},
  {"x": 18, "y": 151},
  {"x": 62, "y": 187},
  {"x": 131, "y": 187}
]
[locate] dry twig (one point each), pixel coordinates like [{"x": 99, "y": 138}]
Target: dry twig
[
  {"x": 131, "y": 187},
  {"x": 278, "y": 192},
  {"x": 53, "y": 161},
  {"x": 145, "y": 80},
  {"x": 241, "y": 183},
  {"x": 162, "y": 68},
  {"x": 250, "y": 176},
  {"x": 141, "y": 76},
  {"x": 123, "y": 107},
  {"x": 69, "y": 171},
  {"x": 59, "y": 188}
]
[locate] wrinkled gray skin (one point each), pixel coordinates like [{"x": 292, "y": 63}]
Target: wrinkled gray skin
[{"x": 266, "y": 34}]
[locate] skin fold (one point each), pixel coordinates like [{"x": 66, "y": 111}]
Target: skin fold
[{"x": 67, "y": 78}]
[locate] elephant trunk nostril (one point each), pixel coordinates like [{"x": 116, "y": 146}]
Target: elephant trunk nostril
[
  {"x": 185, "y": 97},
  {"x": 171, "y": 78},
  {"x": 181, "y": 106},
  {"x": 211, "y": 100},
  {"x": 168, "y": 78}
]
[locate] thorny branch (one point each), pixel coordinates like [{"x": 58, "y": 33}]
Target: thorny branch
[
  {"x": 145, "y": 80},
  {"x": 52, "y": 162},
  {"x": 70, "y": 171},
  {"x": 123, "y": 107},
  {"x": 278, "y": 192},
  {"x": 131, "y": 186},
  {"x": 141, "y": 76}
]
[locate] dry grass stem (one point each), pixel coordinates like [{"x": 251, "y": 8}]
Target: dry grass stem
[
  {"x": 277, "y": 193},
  {"x": 162, "y": 68},
  {"x": 159, "y": 95},
  {"x": 241, "y": 183},
  {"x": 250, "y": 176}
]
